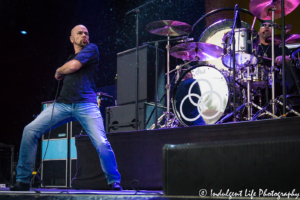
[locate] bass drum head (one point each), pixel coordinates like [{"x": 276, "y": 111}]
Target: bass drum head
[
  {"x": 214, "y": 35},
  {"x": 201, "y": 99}
]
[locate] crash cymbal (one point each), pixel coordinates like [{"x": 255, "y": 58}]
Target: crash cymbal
[
  {"x": 189, "y": 51},
  {"x": 169, "y": 27},
  {"x": 259, "y": 8},
  {"x": 289, "y": 39}
]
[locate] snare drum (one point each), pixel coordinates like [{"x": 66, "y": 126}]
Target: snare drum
[
  {"x": 243, "y": 48},
  {"x": 206, "y": 96},
  {"x": 258, "y": 74}
]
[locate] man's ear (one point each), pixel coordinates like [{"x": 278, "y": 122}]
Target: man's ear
[{"x": 72, "y": 39}]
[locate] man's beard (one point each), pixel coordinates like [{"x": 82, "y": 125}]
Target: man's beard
[
  {"x": 266, "y": 35},
  {"x": 81, "y": 43}
]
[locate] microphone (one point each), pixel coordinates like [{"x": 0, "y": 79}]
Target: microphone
[
  {"x": 186, "y": 40},
  {"x": 236, "y": 6},
  {"x": 238, "y": 17}
]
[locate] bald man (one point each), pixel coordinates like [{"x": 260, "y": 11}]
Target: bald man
[{"x": 77, "y": 101}]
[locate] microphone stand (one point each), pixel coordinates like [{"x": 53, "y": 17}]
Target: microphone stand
[
  {"x": 137, "y": 11},
  {"x": 232, "y": 41}
]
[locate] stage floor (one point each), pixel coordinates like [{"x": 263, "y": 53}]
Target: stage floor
[{"x": 71, "y": 194}]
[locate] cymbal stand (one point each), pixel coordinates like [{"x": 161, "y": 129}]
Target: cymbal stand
[
  {"x": 168, "y": 86},
  {"x": 249, "y": 105},
  {"x": 157, "y": 123},
  {"x": 262, "y": 110},
  {"x": 168, "y": 121},
  {"x": 231, "y": 114},
  {"x": 273, "y": 68},
  {"x": 171, "y": 122},
  {"x": 291, "y": 110},
  {"x": 156, "y": 69},
  {"x": 178, "y": 68}
]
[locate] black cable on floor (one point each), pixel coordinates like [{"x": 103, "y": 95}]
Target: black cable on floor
[{"x": 138, "y": 189}]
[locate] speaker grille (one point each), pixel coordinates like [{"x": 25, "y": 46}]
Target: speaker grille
[{"x": 264, "y": 164}]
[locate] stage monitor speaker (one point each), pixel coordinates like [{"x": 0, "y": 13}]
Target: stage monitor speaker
[
  {"x": 264, "y": 164},
  {"x": 122, "y": 118},
  {"x": 126, "y": 73},
  {"x": 6, "y": 163}
]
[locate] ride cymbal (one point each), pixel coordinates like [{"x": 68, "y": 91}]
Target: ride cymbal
[
  {"x": 261, "y": 8},
  {"x": 169, "y": 28},
  {"x": 289, "y": 39}
]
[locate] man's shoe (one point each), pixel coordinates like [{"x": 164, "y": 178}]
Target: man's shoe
[
  {"x": 19, "y": 186},
  {"x": 116, "y": 186}
]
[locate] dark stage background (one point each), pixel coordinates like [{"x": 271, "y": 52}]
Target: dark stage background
[{"x": 29, "y": 61}]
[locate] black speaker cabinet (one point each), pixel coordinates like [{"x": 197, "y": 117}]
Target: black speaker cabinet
[
  {"x": 89, "y": 174},
  {"x": 6, "y": 163},
  {"x": 122, "y": 118},
  {"x": 266, "y": 164},
  {"x": 126, "y": 72}
]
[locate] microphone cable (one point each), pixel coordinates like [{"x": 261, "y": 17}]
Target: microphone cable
[{"x": 47, "y": 142}]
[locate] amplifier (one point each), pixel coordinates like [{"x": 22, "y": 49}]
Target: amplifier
[
  {"x": 126, "y": 73},
  {"x": 55, "y": 168},
  {"x": 122, "y": 118}
]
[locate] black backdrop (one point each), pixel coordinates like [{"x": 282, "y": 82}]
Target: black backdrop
[{"x": 29, "y": 61}]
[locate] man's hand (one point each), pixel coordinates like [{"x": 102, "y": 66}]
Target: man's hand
[
  {"x": 59, "y": 76},
  {"x": 278, "y": 60}
]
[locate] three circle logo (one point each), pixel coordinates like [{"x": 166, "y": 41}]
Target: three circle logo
[{"x": 205, "y": 99}]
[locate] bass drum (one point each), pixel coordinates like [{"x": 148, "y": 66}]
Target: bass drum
[
  {"x": 203, "y": 98},
  {"x": 214, "y": 35}
]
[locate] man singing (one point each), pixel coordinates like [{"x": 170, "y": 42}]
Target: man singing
[{"x": 77, "y": 101}]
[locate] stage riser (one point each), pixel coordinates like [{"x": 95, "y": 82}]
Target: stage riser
[{"x": 139, "y": 154}]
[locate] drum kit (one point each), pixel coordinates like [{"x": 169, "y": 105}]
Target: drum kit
[{"x": 223, "y": 74}]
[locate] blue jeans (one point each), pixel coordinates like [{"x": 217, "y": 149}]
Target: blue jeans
[{"x": 89, "y": 116}]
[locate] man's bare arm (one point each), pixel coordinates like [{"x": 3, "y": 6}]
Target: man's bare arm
[
  {"x": 69, "y": 67},
  {"x": 278, "y": 60}
]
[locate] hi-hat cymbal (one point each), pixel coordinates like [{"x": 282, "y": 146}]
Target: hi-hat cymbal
[
  {"x": 199, "y": 50},
  {"x": 260, "y": 8},
  {"x": 289, "y": 39},
  {"x": 169, "y": 28}
]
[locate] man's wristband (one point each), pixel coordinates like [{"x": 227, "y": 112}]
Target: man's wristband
[{"x": 57, "y": 73}]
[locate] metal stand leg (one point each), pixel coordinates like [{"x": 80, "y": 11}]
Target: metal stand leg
[
  {"x": 273, "y": 62},
  {"x": 168, "y": 83},
  {"x": 291, "y": 110},
  {"x": 249, "y": 107}
]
